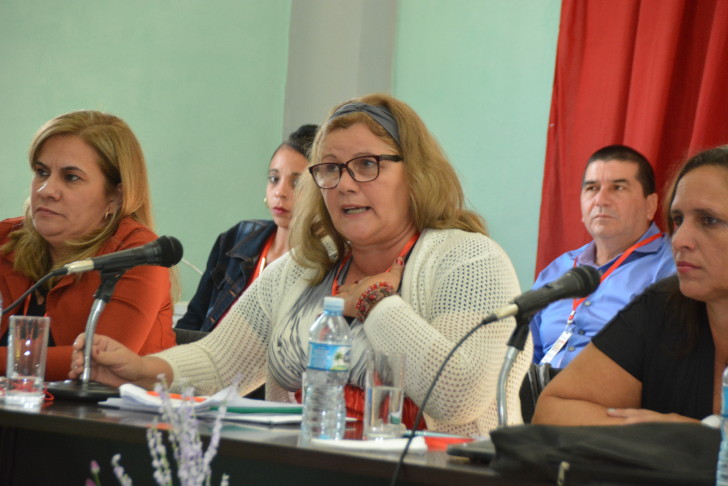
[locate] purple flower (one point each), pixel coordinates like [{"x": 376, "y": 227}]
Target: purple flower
[
  {"x": 119, "y": 472},
  {"x": 162, "y": 473},
  {"x": 95, "y": 473},
  {"x": 193, "y": 463}
]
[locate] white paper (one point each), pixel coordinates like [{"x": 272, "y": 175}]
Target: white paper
[
  {"x": 418, "y": 445},
  {"x": 259, "y": 418},
  {"x": 138, "y": 399}
]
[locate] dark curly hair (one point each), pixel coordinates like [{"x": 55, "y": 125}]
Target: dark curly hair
[{"x": 300, "y": 140}]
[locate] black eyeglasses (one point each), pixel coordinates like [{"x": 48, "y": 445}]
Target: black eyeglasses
[{"x": 362, "y": 169}]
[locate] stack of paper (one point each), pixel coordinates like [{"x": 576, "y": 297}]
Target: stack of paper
[
  {"x": 239, "y": 408},
  {"x": 418, "y": 445}
]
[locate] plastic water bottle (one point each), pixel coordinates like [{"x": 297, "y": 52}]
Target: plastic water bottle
[
  {"x": 721, "y": 476},
  {"x": 329, "y": 349}
]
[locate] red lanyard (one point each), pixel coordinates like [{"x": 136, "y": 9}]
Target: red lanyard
[
  {"x": 613, "y": 267},
  {"x": 262, "y": 259},
  {"x": 335, "y": 285}
]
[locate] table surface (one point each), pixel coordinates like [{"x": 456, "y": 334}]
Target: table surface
[{"x": 249, "y": 449}]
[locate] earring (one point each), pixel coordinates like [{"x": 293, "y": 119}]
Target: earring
[
  {"x": 265, "y": 201},
  {"x": 107, "y": 214}
]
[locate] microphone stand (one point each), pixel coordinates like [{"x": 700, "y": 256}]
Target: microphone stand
[
  {"x": 85, "y": 389},
  {"x": 516, "y": 344}
]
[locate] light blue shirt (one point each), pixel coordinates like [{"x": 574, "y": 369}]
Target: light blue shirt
[{"x": 646, "y": 265}]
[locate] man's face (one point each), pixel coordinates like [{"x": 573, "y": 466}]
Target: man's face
[{"x": 614, "y": 208}]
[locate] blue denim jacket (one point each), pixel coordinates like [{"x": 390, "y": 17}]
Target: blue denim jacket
[{"x": 230, "y": 266}]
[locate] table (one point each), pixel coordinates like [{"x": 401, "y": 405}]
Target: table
[{"x": 57, "y": 444}]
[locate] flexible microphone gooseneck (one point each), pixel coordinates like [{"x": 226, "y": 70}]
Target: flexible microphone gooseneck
[
  {"x": 165, "y": 251},
  {"x": 40, "y": 282},
  {"x": 578, "y": 282}
]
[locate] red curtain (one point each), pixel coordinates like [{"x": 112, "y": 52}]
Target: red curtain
[{"x": 651, "y": 74}]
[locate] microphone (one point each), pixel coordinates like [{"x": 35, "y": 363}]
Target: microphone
[
  {"x": 578, "y": 282},
  {"x": 164, "y": 251}
]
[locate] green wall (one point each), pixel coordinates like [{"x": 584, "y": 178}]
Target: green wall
[
  {"x": 201, "y": 83},
  {"x": 480, "y": 75}
]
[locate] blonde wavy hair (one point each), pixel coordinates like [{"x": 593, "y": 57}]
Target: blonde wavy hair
[
  {"x": 122, "y": 162},
  {"x": 435, "y": 196}
]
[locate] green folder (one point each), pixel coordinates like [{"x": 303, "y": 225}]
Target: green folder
[{"x": 269, "y": 410}]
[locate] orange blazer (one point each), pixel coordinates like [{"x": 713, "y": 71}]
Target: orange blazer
[{"x": 139, "y": 313}]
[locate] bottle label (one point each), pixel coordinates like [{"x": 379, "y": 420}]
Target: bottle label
[{"x": 329, "y": 356}]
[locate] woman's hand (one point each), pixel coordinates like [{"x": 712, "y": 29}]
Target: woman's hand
[
  {"x": 641, "y": 415},
  {"x": 351, "y": 293},
  {"x": 114, "y": 364}
]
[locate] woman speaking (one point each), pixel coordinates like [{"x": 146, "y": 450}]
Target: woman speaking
[{"x": 380, "y": 222}]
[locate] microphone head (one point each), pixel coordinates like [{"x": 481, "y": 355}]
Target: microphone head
[
  {"x": 589, "y": 279},
  {"x": 170, "y": 251}
]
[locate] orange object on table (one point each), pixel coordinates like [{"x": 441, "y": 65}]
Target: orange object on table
[{"x": 435, "y": 443}]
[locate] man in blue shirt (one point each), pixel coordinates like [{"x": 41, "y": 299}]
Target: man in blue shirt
[{"x": 618, "y": 203}]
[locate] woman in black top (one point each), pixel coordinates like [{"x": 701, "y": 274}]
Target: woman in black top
[{"x": 663, "y": 356}]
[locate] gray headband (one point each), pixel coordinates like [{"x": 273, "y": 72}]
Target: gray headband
[{"x": 379, "y": 114}]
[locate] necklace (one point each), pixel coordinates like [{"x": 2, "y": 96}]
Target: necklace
[{"x": 347, "y": 260}]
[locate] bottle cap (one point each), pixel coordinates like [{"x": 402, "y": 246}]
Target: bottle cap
[{"x": 333, "y": 304}]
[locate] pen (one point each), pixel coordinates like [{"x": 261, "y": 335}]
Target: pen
[
  {"x": 178, "y": 396},
  {"x": 430, "y": 433}
]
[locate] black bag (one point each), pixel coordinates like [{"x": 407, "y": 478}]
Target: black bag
[{"x": 644, "y": 454}]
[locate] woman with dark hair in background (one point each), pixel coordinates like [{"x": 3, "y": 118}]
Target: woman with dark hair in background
[
  {"x": 89, "y": 196},
  {"x": 243, "y": 251}
]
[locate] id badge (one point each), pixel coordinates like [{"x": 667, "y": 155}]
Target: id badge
[{"x": 558, "y": 345}]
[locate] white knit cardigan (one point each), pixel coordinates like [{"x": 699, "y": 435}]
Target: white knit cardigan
[{"x": 451, "y": 281}]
